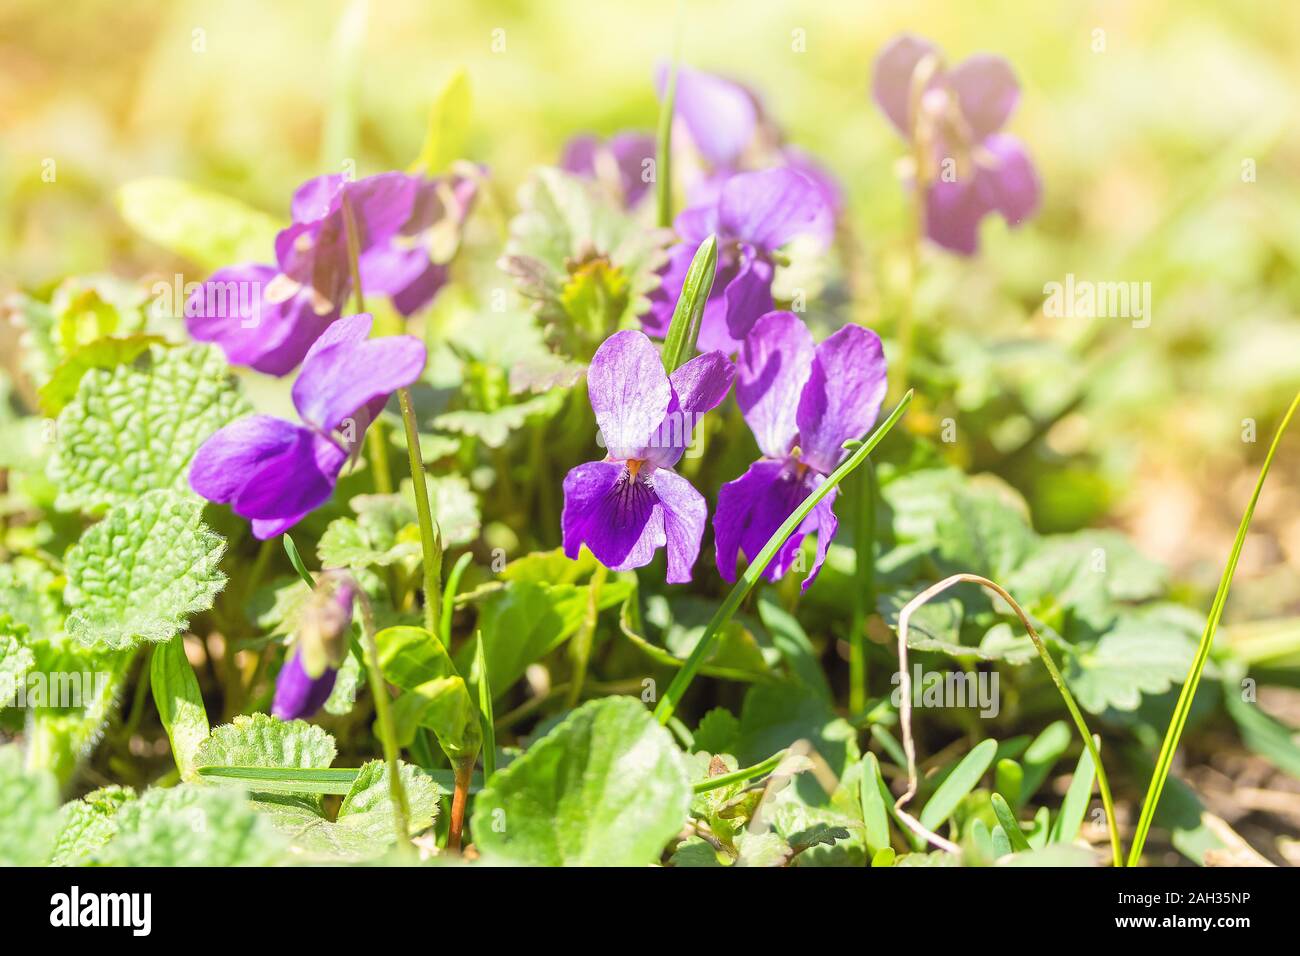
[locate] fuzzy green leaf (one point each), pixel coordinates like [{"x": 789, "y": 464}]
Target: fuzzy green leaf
[
  {"x": 192, "y": 825},
  {"x": 29, "y": 822},
  {"x": 134, "y": 428},
  {"x": 88, "y": 824},
  {"x": 205, "y": 227},
  {"x": 142, "y": 572},
  {"x": 606, "y": 787},
  {"x": 260, "y": 740},
  {"x": 179, "y": 701}
]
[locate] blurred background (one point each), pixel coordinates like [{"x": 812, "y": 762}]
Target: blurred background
[{"x": 1164, "y": 133}]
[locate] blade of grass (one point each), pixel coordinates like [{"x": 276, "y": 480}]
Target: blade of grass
[
  {"x": 664, "y": 145},
  {"x": 684, "y": 329},
  {"x": 334, "y": 780},
  {"x": 295, "y": 559},
  {"x": 875, "y": 812},
  {"x": 1010, "y": 825},
  {"x": 449, "y": 595},
  {"x": 1184, "y": 705},
  {"x": 673, "y": 695},
  {"x": 485, "y": 709},
  {"x": 325, "y": 780},
  {"x": 1070, "y": 817},
  {"x": 963, "y": 779}
]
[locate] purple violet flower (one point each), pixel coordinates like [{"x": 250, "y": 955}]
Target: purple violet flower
[
  {"x": 802, "y": 402},
  {"x": 298, "y": 694},
  {"x": 267, "y": 317},
  {"x": 307, "y": 677},
  {"x": 619, "y": 164},
  {"x": 411, "y": 265},
  {"x": 275, "y": 472},
  {"x": 633, "y": 503},
  {"x": 754, "y": 215},
  {"x": 952, "y": 117}
]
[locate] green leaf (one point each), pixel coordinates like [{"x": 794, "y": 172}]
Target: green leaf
[
  {"x": 774, "y": 716},
  {"x": 260, "y": 740},
  {"x": 523, "y": 622},
  {"x": 1054, "y": 855},
  {"x": 204, "y": 227},
  {"x": 15, "y": 661},
  {"x": 875, "y": 812},
  {"x": 88, "y": 824},
  {"x": 688, "y": 313},
  {"x": 455, "y": 508},
  {"x": 444, "y": 140},
  {"x": 1038, "y": 833},
  {"x": 1140, "y": 655},
  {"x": 1008, "y": 778},
  {"x": 134, "y": 428},
  {"x": 1070, "y": 817},
  {"x": 1041, "y": 757},
  {"x": 29, "y": 823},
  {"x": 295, "y": 559},
  {"x": 286, "y": 763},
  {"x": 142, "y": 572},
  {"x": 789, "y": 637},
  {"x": 718, "y": 732},
  {"x": 1272, "y": 740},
  {"x": 606, "y": 787},
  {"x": 59, "y": 738},
  {"x": 192, "y": 825},
  {"x": 964, "y": 778},
  {"x": 179, "y": 701},
  {"x": 103, "y": 353},
  {"x": 416, "y": 661},
  {"x": 736, "y": 655},
  {"x": 384, "y": 533},
  {"x": 364, "y": 826},
  {"x": 587, "y": 264},
  {"x": 1001, "y": 843},
  {"x": 346, "y": 59},
  {"x": 1009, "y": 824},
  {"x": 495, "y": 427}
]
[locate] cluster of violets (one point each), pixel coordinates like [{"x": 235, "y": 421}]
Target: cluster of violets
[{"x": 801, "y": 400}]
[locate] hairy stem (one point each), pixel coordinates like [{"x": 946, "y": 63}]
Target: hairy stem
[
  {"x": 387, "y": 729},
  {"x": 430, "y": 542},
  {"x": 460, "y": 797}
]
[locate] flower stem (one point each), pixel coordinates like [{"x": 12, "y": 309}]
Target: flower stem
[
  {"x": 430, "y": 542},
  {"x": 864, "y": 593},
  {"x": 464, "y": 771},
  {"x": 387, "y": 729},
  {"x": 1184, "y": 705}
]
